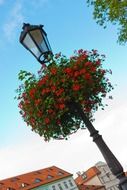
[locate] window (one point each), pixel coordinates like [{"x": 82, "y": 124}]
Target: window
[
  {"x": 70, "y": 182},
  {"x": 53, "y": 187},
  {"x": 37, "y": 180},
  {"x": 65, "y": 184},
  {"x": 60, "y": 173},
  {"x": 10, "y": 188},
  {"x": 106, "y": 178},
  {"x": 84, "y": 176},
  {"x": 60, "y": 187},
  {"x": 49, "y": 177},
  {"x": 23, "y": 185},
  {"x": 102, "y": 180}
]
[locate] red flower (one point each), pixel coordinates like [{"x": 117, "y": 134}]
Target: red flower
[
  {"x": 75, "y": 67},
  {"x": 32, "y": 92},
  {"x": 32, "y": 121},
  {"x": 82, "y": 71},
  {"x": 58, "y": 122},
  {"x": 61, "y": 106},
  {"x": 53, "y": 71},
  {"x": 43, "y": 91},
  {"x": 98, "y": 62},
  {"x": 24, "y": 95},
  {"x": 94, "y": 51},
  {"x": 59, "y": 92},
  {"x": 80, "y": 51},
  {"x": 68, "y": 71},
  {"x": 43, "y": 81},
  {"x": 88, "y": 63},
  {"x": 87, "y": 109},
  {"x": 47, "y": 90},
  {"x": 47, "y": 120},
  {"x": 76, "y": 73},
  {"x": 63, "y": 80},
  {"x": 20, "y": 105},
  {"x": 53, "y": 88},
  {"x": 103, "y": 71},
  {"x": 50, "y": 111},
  {"x": 76, "y": 87},
  {"x": 37, "y": 102},
  {"x": 87, "y": 76},
  {"x": 39, "y": 114},
  {"x": 93, "y": 69},
  {"x": 61, "y": 100}
]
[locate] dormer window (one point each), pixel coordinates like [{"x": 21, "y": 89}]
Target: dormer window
[
  {"x": 49, "y": 177},
  {"x": 84, "y": 176},
  {"x": 24, "y": 185},
  {"x": 37, "y": 180},
  {"x": 60, "y": 173},
  {"x": 10, "y": 188}
]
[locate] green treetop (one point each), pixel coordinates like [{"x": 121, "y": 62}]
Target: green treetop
[{"x": 114, "y": 11}]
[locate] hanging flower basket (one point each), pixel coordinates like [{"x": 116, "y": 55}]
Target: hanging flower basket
[{"x": 44, "y": 98}]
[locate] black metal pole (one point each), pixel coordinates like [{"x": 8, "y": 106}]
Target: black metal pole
[{"x": 109, "y": 157}]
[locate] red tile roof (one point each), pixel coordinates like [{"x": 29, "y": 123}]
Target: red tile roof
[
  {"x": 33, "y": 179},
  {"x": 90, "y": 173}
]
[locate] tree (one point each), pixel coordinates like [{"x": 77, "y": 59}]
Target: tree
[{"x": 114, "y": 11}]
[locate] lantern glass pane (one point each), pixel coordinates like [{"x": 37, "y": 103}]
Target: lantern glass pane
[
  {"x": 47, "y": 42},
  {"x": 39, "y": 39},
  {"x": 29, "y": 43}
]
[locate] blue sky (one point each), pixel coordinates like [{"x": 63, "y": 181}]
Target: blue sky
[{"x": 69, "y": 26}]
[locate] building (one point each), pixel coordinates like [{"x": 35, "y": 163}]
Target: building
[
  {"x": 89, "y": 180},
  {"x": 106, "y": 177},
  {"x": 51, "y": 178},
  {"x": 100, "y": 175}
]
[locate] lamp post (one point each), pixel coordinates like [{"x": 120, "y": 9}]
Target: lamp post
[{"x": 34, "y": 39}]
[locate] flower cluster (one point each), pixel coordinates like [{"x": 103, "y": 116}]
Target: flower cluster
[{"x": 43, "y": 98}]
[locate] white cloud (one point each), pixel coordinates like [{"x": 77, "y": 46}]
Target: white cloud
[{"x": 15, "y": 19}]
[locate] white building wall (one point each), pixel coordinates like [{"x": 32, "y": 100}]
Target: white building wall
[{"x": 106, "y": 177}]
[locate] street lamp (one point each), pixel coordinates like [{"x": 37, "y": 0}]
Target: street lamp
[{"x": 34, "y": 38}]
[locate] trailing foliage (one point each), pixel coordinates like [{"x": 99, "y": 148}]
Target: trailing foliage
[
  {"x": 44, "y": 98},
  {"x": 114, "y": 11}
]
